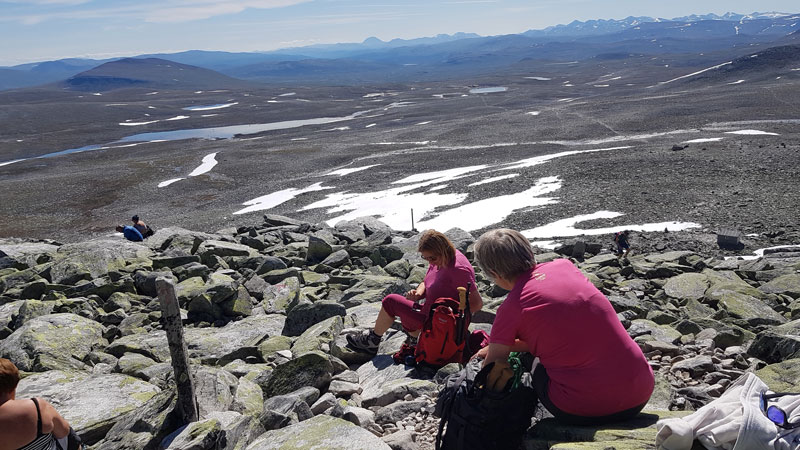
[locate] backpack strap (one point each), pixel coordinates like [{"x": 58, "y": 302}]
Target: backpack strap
[{"x": 448, "y": 407}]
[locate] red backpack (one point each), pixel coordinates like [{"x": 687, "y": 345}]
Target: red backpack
[{"x": 439, "y": 341}]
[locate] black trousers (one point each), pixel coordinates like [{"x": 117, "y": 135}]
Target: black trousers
[{"x": 541, "y": 381}]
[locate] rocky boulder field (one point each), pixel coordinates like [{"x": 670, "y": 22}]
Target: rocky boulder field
[{"x": 266, "y": 309}]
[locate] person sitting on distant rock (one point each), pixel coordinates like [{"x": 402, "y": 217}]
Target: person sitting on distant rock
[
  {"x": 448, "y": 270},
  {"x": 141, "y": 227},
  {"x": 589, "y": 371},
  {"x": 30, "y": 424},
  {"x": 130, "y": 233},
  {"x": 623, "y": 247}
]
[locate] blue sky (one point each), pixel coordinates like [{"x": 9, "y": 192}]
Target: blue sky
[{"x": 36, "y": 30}]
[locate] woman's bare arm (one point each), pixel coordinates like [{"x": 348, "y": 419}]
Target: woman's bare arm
[{"x": 60, "y": 424}]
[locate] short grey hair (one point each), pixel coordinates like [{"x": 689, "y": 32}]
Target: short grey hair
[{"x": 505, "y": 252}]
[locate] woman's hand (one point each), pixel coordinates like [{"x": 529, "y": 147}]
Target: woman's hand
[
  {"x": 413, "y": 295},
  {"x": 481, "y": 353}
]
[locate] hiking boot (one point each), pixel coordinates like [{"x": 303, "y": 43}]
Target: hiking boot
[{"x": 366, "y": 342}]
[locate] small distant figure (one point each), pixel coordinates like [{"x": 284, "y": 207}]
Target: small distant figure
[
  {"x": 130, "y": 233},
  {"x": 623, "y": 247},
  {"x": 29, "y": 423},
  {"x": 142, "y": 227}
]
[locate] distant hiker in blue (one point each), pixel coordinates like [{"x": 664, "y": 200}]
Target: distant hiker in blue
[
  {"x": 131, "y": 233},
  {"x": 623, "y": 247}
]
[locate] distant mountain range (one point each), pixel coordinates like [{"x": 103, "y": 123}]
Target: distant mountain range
[{"x": 424, "y": 59}]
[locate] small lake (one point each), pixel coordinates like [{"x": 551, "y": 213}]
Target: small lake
[
  {"x": 488, "y": 90},
  {"x": 199, "y": 133}
]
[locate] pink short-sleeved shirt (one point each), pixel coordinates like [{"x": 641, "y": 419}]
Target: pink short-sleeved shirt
[
  {"x": 445, "y": 281},
  {"x": 595, "y": 368}
]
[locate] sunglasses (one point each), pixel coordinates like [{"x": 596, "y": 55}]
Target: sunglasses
[
  {"x": 429, "y": 258},
  {"x": 774, "y": 413}
]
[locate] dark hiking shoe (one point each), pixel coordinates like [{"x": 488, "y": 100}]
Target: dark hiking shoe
[{"x": 366, "y": 342}]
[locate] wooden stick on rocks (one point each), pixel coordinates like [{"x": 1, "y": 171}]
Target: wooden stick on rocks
[{"x": 171, "y": 316}]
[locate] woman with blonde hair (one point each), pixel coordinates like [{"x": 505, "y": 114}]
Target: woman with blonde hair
[
  {"x": 589, "y": 369},
  {"x": 30, "y": 424},
  {"x": 448, "y": 269}
]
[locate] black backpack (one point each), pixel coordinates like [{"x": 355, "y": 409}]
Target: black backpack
[{"x": 474, "y": 417}]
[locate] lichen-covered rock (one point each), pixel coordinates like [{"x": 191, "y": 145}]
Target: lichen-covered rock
[
  {"x": 310, "y": 369},
  {"x": 774, "y": 348},
  {"x": 211, "y": 248},
  {"x": 385, "y": 382},
  {"x": 92, "y": 259},
  {"x": 304, "y": 316},
  {"x": 55, "y": 341},
  {"x": 687, "y": 286},
  {"x": 663, "y": 333},
  {"x": 750, "y": 309},
  {"x": 91, "y": 403},
  {"x": 320, "y": 432},
  {"x": 206, "y": 343},
  {"x": 638, "y": 433},
  {"x": 783, "y": 376},
  {"x": 214, "y": 389},
  {"x": 201, "y": 435},
  {"x": 277, "y": 297},
  {"x": 373, "y": 288},
  {"x": 248, "y": 398},
  {"x": 144, "y": 427},
  {"x": 787, "y": 284}
]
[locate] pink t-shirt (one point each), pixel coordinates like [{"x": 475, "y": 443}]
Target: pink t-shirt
[
  {"x": 595, "y": 368},
  {"x": 445, "y": 281}
]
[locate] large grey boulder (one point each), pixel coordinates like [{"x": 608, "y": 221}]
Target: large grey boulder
[
  {"x": 214, "y": 389},
  {"x": 8, "y": 311},
  {"x": 227, "y": 430},
  {"x": 385, "y": 382},
  {"x": 144, "y": 427},
  {"x": 320, "y": 432},
  {"x": 304, "y": 315},
  {"x": 208, "y": 249},
  {"x": 55, "y": 341},
  {"x": 372, "y": 288},
  {"x": 92, "y": 259},
  {"x": 311, "y": 369},
  {"x": 750, "y": 309},
  {"x": 317, "y": 250},
  {"x": 774, "y": 348},
  {"x": 663, "y": 333},
  {"x": 319, "y": 335},
  {"x": 283, "y": 410},
  {"x": 688, "y": 286},
  {"x": 90, "y": 403},
  {"x": 786, "y": 284},
  {"x": 28, "y": 253},
  {"x": 206, "y": 343}
]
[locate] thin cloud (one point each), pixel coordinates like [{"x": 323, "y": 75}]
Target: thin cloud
[{"x": 162, "y": 11}]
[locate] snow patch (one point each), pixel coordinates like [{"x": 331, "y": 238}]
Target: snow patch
[
  {"x": 209, "y": 107},
  {"x": 566, "y": 227},
  {"x": 753, "y": 133},
  {"x": 277, "y": 198},
  {"x": 343, "y": 172}
]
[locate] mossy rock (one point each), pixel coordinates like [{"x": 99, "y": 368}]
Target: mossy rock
[
  {"x": 750, "y": 309},
  {"x": 636, "y": 434},
  {"x": 53, "y": 341},
  {"x": 319, "y": 432},
  {"x": 311, "y": 369},
  {"x": 101, "y": 401},
  {"x": 318, "y": 335},
  {"x": 687, "y": 286},
  {"x": 783, "y": 376},
  {"x": 786, "y": 284}
]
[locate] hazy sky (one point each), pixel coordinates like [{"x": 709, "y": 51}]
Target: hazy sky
[{"x": 36, "y": 30}]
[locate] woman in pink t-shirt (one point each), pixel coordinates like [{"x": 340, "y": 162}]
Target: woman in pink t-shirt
[
  {"x": 589, "y": 370},
  {"x": 448, "y": 270}
]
